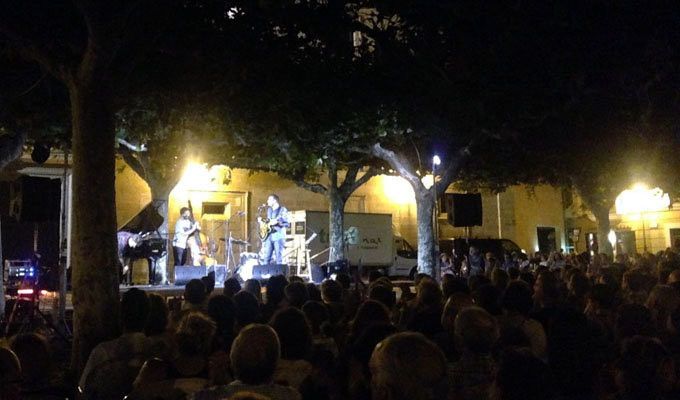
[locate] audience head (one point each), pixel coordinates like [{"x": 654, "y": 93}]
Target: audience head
[
  {"x": 476, "y": 330},
  {"x": 370, "y": 312},
  {"x": 499, "y": 278},
  {"x": 374, "y": 275},
  {"x": 546, "y": 289},
  {"x": 645, "y": 369},
  {"x": 295, "y": 337},
  {"x": 331, "y": 291},
  {"x": 134, "y": 309},
  {"x": 601, "y": 297},
  {"x": 254, "y": 287},
  {"x": 662, "y": 301},
  {"x": 10, "y": 375},
  {"x": 579, "y": 285},
  {"x": 475, "y": 281},
  {"x": 408, "y": 366},
  {"x": 157, "y": 320},
  {"x": 674, "y": 277},
  {"x": 633, "y": 280},
  {"x": 454, "y": 304},
  {"x": 363, "y": 346},
  {"x": 521, "y": 376},
  {"x": 574, "y": 353},
  {"x": 513, "y": 273},
  {"x": 487, "y": 297},
  {"x": 255, "y": 354},
  {"x": 34, "y": 356},
  {"x": 313, "y": 291},
  {"x": 209, "y": 283},
  {"x": 222, "y": 310},
  {"x": 517, "y": 298},
  {"x": 383, "y": 294},
  {"x": 247, "y": 308},
  {"x": 344, "y": 280},
  {"x": 194, "y": 334},
  {"x": 633, "y": 320},
  {"x": 231, "y": 287},
  {"x": 317, "y": 315},
  {"x": 296, "y": 294},
  {"x": 452, "y": 284},
  {"x": 194, "y": 292},
  {"x": 429, "y": 294},
  {"x": 276, "y": 286}
]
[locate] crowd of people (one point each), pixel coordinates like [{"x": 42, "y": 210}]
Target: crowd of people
[{"x": 556, "y": 327}]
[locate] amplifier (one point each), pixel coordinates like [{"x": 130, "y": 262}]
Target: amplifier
[{"x": 185, "y": 273}]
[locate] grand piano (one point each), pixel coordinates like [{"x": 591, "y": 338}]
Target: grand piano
[{"x": 153, "y": 245}]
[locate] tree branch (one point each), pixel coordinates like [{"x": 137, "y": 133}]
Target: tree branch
[
  {"x": 312, "y": 187},
  {"x": 452, "y": 168},
  {"x": 350, "y": 178},
  {"x": 398, "y": 163},
  {"x": 370, "y": 173},
  {"x": 131, "y": 146}
]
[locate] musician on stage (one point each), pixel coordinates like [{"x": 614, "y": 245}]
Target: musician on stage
[
  {"x": 126, "y": 242},
  {"x": 274, "y": 244},
  {"x": 184, "y": 228}
]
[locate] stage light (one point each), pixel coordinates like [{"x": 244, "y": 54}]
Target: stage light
[
  {"x": 436, "y": 160},
  {"x": 25, "y": 291},
  {"x": 640, "y": 199},
  {"x": 195, "y": 175}
]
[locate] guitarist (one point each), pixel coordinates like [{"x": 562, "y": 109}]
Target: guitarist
[
  {"x": 184, "y": 227},
  {"x": 274, "y": 243}
]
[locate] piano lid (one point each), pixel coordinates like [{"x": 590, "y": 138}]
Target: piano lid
[{"x": 147, "y": 220}]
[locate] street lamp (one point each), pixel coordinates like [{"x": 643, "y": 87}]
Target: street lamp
[
  {"x": 641, "y": 200},
  {"x": 436, "y": 161}
]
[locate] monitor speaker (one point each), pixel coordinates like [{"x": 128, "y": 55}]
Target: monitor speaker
[
  {"x": 185, "y": 273},
  {"x": 266, "y": 271},
  {"x": 220, "y": 271},
  {"x": 464, "y": 209}
]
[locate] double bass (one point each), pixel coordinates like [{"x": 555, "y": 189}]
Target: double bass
[{"x": 195, "y": 242}]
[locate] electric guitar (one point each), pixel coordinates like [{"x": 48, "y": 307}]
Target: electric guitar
[{"x": 266, "y": 227}]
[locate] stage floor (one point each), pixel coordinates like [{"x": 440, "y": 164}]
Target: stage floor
[{"x": 163, "y": 290}]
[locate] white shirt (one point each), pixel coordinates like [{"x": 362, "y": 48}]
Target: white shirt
[{"x": 181, "y": 228}]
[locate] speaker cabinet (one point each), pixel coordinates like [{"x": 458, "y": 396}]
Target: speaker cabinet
[
  {"x": 220, "y": 271},
  {"x": 464, "y": 209},
  {"x": 266, "y": 271},
  {"x": 185, "y": 273}
]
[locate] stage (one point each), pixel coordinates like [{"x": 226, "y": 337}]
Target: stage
[{"x": 165, "y": 291}]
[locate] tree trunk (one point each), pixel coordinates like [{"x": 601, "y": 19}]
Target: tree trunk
[
  {"x": 425, "y": 208},
  {"x": 93, "y": 250},
  {"x": 603, "y": 229},
  {"x": 336, "y": 230}
]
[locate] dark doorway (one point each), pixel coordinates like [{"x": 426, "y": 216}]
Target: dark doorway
[
  {"x": 675, "y": 238},
  {"x": 547, "y": 239}
]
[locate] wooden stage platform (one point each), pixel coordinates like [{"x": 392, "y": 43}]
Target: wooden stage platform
[{"x": 165, "y": 291}]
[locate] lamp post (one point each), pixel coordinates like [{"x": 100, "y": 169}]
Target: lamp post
[
  {"x": 640, "y": 200},
  {"x": 436, "y": 161}
]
